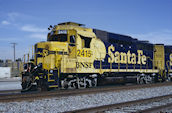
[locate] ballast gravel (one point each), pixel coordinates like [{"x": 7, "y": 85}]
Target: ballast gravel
[{"x": 62, "y": 104}]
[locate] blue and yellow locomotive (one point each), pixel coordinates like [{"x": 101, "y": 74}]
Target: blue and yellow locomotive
[{"x": 78, "y": 57}]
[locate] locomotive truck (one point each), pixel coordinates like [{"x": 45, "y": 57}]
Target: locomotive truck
[{"x": 78, "y": 57}]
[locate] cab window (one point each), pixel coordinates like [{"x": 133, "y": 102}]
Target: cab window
[
  {"x": 85, "y": 42},
  {"x": 72, "y": 40},
  {"x": 59, "y": 38}
]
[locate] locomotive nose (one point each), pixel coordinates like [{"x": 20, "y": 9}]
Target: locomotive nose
[{"x": 49, "y": 54}]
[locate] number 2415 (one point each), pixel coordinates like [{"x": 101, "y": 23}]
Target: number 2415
[{"x": 84, "y": 53}]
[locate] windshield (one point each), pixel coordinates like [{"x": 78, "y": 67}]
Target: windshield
[{"x": 59, "y": 38}]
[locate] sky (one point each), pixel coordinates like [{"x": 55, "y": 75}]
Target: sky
[{"x": 25, "y": 22}]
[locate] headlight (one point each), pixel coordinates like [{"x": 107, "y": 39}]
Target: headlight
[
  {"x": 51, "y": 71},
  {"x": 40, "y": 65}
]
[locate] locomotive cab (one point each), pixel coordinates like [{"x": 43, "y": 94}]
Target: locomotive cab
[{"x": 60, "y": 44}]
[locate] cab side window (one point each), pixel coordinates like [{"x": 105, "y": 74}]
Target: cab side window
[
  {"x": 72, "y": 40},
  {"x": 85, "y": 42}
]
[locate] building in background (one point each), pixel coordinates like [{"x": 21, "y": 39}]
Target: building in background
[{"x": 8, "y": 68}]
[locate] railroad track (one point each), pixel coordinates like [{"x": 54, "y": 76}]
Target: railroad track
[
  {"x": 11, "y": 97},
  {"x": 149, "y": 105},
  {"x": 2, "y": 92}
]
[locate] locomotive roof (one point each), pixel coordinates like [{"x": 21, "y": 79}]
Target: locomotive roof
[
  {"x": 103, "y": 35},
  {"x": 71, "y": 23},
  {"x": 81, "y": 30},
  {"x": 108, "y": 36}
]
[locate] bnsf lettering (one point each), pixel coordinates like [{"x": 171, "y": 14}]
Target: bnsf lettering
[
  {"x": 83, "y": 65},
  {"x": 125, "y": 58}
]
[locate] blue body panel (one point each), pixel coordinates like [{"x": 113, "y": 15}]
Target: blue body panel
[{"x": 124, "y": 44}]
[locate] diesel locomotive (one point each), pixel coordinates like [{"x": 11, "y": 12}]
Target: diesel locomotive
[{"x": 78, "y": 57}]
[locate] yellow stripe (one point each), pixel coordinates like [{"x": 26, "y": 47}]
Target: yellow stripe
[
  {"x": 53, "y": 86},
  {"x": 131, "y": 70}
]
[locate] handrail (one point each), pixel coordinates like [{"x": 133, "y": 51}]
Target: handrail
[
  {"x": 167, "y": 63},
  {"x": 147, "y": 63}
]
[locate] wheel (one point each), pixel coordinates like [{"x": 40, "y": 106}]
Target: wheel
[
  {"x": 94, "y": 82},
  {"x": 148, "y": 79},
  {"x": 140, "y": 80}
]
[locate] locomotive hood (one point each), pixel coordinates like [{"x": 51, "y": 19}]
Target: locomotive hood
[{"x": 49, "y": 53}]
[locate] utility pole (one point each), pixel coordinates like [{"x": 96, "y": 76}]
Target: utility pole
[{"x": 14, "y": 47}]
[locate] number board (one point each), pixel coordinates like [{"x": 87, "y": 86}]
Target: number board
[
  {"x": 84, "y": 53},
  {"x": 62, "y": 31}
]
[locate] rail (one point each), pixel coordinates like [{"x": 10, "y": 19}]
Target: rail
[
  {"x": 128, "y": 104},
  {"x": 11, "y": 97}
]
